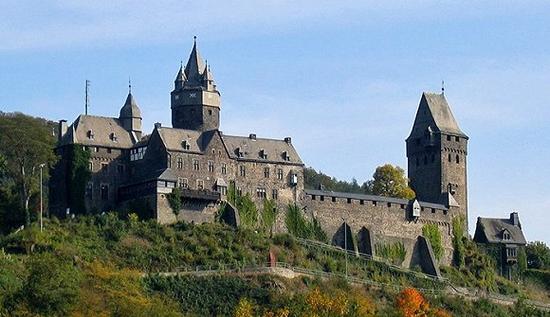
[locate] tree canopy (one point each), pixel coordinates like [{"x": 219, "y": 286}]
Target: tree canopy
[
  {"x": 388, "y": 180},
  {"x": 25, "y": 144}
]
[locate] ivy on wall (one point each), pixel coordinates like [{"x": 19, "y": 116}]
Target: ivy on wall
[
  {"x": 431, "y": 232},
  {"x": 174, "y": 200},
  {"x": 77, "y": 177}
]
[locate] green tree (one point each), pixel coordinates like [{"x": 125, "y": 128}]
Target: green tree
[
  {"x": 247, "y": 211},
  {"x": 174, "y": 200},
  {"x": 26, "y": 143},
  {"x": 390, "y": 181},
  {"x": 538, "y": 255}
]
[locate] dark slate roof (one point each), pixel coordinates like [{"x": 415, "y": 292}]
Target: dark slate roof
[
  {"x": 130, "y": 108},
  {"x": 194, "y": 67},
  {"x": 251, "y": 148},
  {"x": 173, "y": 139},
  {"x": 101, "y": 127},
  {"x": 371, "y": 198},
  {"x": 435, "y": 112},
  {"x": 146, "y": 175},
  {"x": 491, "y": 229}
]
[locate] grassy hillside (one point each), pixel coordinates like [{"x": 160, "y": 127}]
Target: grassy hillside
[{"x": 95, "y": 265}]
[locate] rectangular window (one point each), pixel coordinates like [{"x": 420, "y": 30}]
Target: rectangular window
[
  {"x": 91, "y": 166},
  {"x": 224, "y": 168},
  {"x": 239, "y": 191},
  {"x": 196, "y": 165},
  {"x": 322, "y": 198},
  {"x": 457, "y": 139},
  {"x": 349, "y": 200},
  {"x": 109, "y": 150},
  {"x": 260, "y": 192},
  {"x": 183, "y": 183},
  {"x": 313, "y": 197},
  {"x": 280, "y": 174},
  {"x": 211, "y": 166},
  {"x": 169, "y": 161},
  {"x": 104, "y": 166},
  {"x": 333, "y": 199},
  {"x": 200, "y": 184},
  {"x": 242, "y": 171},
  {"x": 104, "y": 192},
  {"x": 180, "y": 163},
  {"x": 222, "y": 190},
  {"x": 275, "y": 194},
  {"x": 266, "y": 172},
  {"x": 448, "y": 138}
]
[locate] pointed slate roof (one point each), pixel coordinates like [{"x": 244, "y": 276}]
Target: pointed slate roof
[
  {"x": 489, "y": 230},
  {"x": 130, "y": 108},
  {"x": 180, "y": 77},
  {"x": 435, "y": 113},
  {"x": 194, "y": 67}
]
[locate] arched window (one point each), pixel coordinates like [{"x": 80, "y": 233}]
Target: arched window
[{"x": 457, "y": 158}]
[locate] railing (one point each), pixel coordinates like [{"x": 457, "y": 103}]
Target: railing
[{"x": 272, "y": 268}]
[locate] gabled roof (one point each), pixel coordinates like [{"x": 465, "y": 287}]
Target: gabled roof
[
  {"x": 173, "y": 139},
  {"x": 435, "y": 113},
  {"x": 490, "y": 230},
  {"x": 276, "y": 150},
  {"x": 101, "y": 128}
]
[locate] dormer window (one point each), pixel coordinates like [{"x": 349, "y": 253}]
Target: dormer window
[
  {"x": 506, "y": 235},
  {"x": 113, "y": 137},
  {"x": 263, "y": 154},
  {"x": 185, "y": 145},
  {"x": 239, "y": 152},
  {"x": 286, "y": 157},
  {"x": 90, "y": 134}
]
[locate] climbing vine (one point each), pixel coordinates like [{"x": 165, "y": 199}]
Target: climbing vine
[
  {"x": 77, "y": 177},
  {"x": 431, "y": 232}
]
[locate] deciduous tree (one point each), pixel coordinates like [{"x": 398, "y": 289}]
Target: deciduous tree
[{"x": 26, "y": 143}]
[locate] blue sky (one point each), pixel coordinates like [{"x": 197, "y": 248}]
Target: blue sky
[{"x": 343, "y": 78}]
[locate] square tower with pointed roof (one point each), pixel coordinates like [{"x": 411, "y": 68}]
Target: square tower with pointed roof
[
  {"x": 195, "y": 99},
  {"x": 436, "y": 153}
]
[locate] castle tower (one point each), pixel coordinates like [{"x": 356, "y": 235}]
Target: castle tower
[
  {"x": 195, "y": 100},
  {"x": 130, "y": 116},
  {"x": 436, "y": 153}
]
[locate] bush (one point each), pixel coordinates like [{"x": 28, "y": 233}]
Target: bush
[
  {"x": 174, "y": 200},
  {"x": 394, "y": 252},
  {"x": 300, "y": 227}
]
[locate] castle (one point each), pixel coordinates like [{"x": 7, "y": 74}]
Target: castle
[{"x": 134, "y": 171}]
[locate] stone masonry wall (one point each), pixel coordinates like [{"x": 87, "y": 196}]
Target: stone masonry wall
[{"x": 387, "y": 221}]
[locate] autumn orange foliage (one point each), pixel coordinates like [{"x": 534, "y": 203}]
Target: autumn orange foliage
[{"x": 411, "y": 303}]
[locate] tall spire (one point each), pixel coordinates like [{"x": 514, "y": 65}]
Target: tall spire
[{"x": 195, "y": 65}]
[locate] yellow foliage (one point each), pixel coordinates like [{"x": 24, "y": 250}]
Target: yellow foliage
[
  {"x": 244, "y": 308},
  {"x": 281, "y": 312},
  {"x": 108, "y": 291},
  {"x": 321, "y": 304}
]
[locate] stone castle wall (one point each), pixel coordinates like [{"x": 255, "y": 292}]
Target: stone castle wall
[{"x": 386, "y": 221}]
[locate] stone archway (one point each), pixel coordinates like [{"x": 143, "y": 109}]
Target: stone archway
[{"x": 365, "y": 241}]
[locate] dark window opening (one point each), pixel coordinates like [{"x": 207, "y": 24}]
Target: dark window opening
[
  {"x": 275, "y": 194},
  {"x": 457, "y": 158},
  {"x": 322, "y": 198},
  {"x": 333, "y": 199},
  {"x": 349, "y": 200},
  {"x": 457, "y": 139},
  {"x": 449, "y": 157},
  {"x": 313, "y": 197},
  {"x": 266, "y": 172},
  {"x": 448, "y": 138},
  {"x": 389, "y": 205},
  {"x": 361, "y": 202}
]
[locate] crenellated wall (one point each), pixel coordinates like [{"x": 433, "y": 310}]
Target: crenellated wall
[{"x": 387, "y": 219}]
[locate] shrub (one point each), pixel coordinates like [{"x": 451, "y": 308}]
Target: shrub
[
  {"x": 411, "y": 303},
  {"x": 394, "y": 252},
  {"x": 458, "y": 244}
]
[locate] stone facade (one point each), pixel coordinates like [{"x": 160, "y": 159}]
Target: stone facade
[{"x": 139, "y": 172}]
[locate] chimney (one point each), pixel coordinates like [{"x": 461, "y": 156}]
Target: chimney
[
  {"x": 288, "y": 140},
  {"x": 252, "y": 136},
  {"x": 62, "y": 129},
  {"x": 514, "y": 219},
  {"x": 158, "y": 125}
]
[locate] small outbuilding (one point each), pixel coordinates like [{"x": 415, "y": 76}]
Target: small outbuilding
[{"x": 502, "y": 238}]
